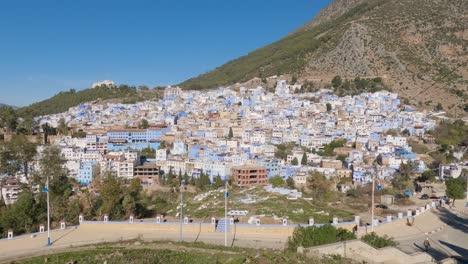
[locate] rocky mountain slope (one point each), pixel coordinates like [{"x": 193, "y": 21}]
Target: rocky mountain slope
[{"x": 418, "y": 47}]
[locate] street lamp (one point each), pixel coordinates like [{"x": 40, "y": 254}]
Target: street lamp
[
  {"x": 181, "y": 208},
  {"x": 46, "y": 189},
  {"x": 226, "y": 196}
]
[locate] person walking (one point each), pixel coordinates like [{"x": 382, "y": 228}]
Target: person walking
[{"x": 427, "y": 244}]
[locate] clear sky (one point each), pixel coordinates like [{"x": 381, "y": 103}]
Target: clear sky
[{"x": 50, "y": 46}]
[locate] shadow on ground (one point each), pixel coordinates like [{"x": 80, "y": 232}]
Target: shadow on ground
[{"x": 453, "y": 220}]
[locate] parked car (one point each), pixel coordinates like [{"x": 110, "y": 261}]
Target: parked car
[
  {"x": 383, "y": 206},
  {"x": 400, "y": 196},
  {"x": 424, "y": 197}
]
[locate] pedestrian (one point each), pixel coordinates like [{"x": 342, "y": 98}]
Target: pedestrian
[
  {"x": 427, "y": 244},
  {"x": 355, "y": 229}
]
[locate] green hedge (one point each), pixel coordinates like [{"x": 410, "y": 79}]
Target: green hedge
[{"x": 315, "y": 236}]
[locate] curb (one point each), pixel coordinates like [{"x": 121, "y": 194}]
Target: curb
[{"x": 436, "y": 230}]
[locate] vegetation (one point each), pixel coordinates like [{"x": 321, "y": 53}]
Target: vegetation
[
  {"x": 79, "y": 134},
  {"x": 8, "y": 118},
  {"x": 143, "y": 124},
  {"x": 315, "y": 236},
  {"x": 64, "y": 100},
  {"x": 169, "y": 252},
  {"x": 148, "y": 153},
  {"x": 318, "y": 184},
  {"x": 294, "y": 161},
  {"x": 283, "y": 150},
  {"x": 451, "y": 134},
  {"x": 16, "y": 155},
  {"x": 427, "y": 176},
  {"x": 379, "y": 241},
  {"x": 328, "y": 149},
  {"x": 358, "y": 85},
  {"x": 456, "y": 188},
  {"x": 277, "y": 181}
]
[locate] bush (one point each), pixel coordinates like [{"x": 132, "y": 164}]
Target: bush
[
  {"x": 277, "y": 181},
  {"x": 379, "y": 242},
  {"x": 315, "y": 236}
]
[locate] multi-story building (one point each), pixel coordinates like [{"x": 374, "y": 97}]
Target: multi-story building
[
  {"x": 148, "y": 173},
  {"x": 249, "y": 176},
  {"x": 10, "y": 190},
  {"x": 85, "y": 172}
]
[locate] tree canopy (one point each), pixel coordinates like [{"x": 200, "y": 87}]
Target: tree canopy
[{"x": 456, "y": 188}]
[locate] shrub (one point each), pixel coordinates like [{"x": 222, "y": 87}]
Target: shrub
[
  {"x": 315, "y": 236},
  {"x": 379, "y": 241}
]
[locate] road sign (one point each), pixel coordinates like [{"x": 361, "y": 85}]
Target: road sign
[{"x": 379, "y": 187}]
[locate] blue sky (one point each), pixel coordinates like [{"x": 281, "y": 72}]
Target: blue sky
[{"x": 51, "y": 46}]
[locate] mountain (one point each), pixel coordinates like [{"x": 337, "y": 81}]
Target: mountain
[
  {"x": 418, "y": 47},
  {"x": 64, "y": 100}
]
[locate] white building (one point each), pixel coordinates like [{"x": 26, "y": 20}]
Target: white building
[{"x": 105, "y": 82}]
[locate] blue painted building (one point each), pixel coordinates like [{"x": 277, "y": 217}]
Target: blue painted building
[
  {"x": 85, "y": 172},
  {"x": 134, "y": 138}
]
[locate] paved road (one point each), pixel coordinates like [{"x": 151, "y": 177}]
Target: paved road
[{"x": 451, "y": 240}]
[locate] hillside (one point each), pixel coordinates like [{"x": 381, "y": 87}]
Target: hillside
[
  {"x": 14, "y": 107},
  {"x": 64, "y": 100},
  {"x": 418, "y": 47}
]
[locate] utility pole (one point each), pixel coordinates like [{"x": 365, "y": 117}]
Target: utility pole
[
  {"x": 225, "y": 213},
  {"x": 181, "y": 208},
  {"x": 373, "y": 189},
  {"x": 48, "y": 212}
]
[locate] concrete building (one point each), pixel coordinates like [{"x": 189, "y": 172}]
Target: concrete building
[
  {"x": 249, "y": 176},
  {"x": 148, "y": 173}
]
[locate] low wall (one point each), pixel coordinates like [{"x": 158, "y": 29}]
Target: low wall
[{"x": 360, "y": 251}]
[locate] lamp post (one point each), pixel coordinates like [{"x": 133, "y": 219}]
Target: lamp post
[
  {"x": 226, "y": 194},
  {"x": 48, "y": 212},
  {"x": 373, "y": 188},
  {"x": 181, "y": 208}
]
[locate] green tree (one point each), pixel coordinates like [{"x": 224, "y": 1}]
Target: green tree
[
  {"x": 439, "y": 107},
  {"x": 218, "y": 181},
  {"x": 8, "y": 118},
  {"x": 276, "y": 181},
  {"x": 304, "y": 159},
  {"x": 26, "y": 126},
  {"x": 428, "y": 175},
  {"x": 290, "y": 183},
  {"x": 328, "y": 149},
  {"x": 341, "y": 157},
  {"x": 456, "y": 188},
  {"x": 16, "y": 155},
  {"x": 231, "y": 134},
  {"x": 21, "y": 216},
  {"x": 294, "y": 161},
  {"x": 79, "y": 134},
  {"x": 336, "y": 81},
  {"x": 148, "y": 153},
  {"x": 62, "y": 127},
  {"x": 111, "y": 194},
  {"x": 318, "y": 184},
  {"x": 143, "y": 124}
]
